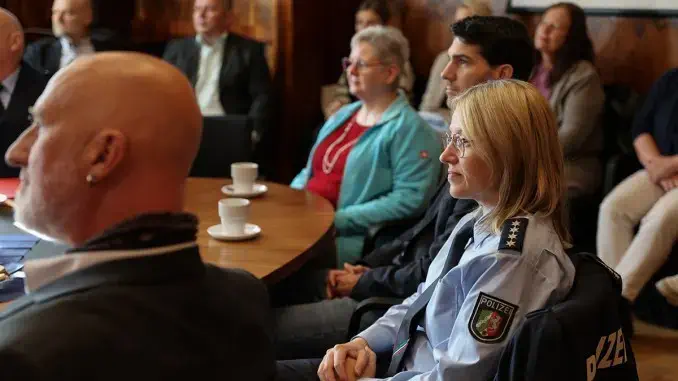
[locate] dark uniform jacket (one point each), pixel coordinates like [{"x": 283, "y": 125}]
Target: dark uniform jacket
[
  {"x": 401, "y": 265},
  {"x": 578, "y": 339}
]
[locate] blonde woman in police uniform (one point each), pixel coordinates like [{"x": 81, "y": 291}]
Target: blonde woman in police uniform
[{"x": 502, "y": 151}]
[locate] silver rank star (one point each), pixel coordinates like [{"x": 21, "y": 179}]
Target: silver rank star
[
  {"x": 510, "y": 243},
  {"x": 516, "y": 223},
  {"x": 512, "y": 236}
]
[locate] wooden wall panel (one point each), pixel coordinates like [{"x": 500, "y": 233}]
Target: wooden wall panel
[
  {"x": 631, "y": 51},
  {"x": 34, "y": 13},
  {"x": 254, "y": 18}
]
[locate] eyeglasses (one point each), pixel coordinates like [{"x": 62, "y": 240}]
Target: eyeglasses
[
  {"x": 360, "y": 64},
  {"x": 459, "y": 142}
]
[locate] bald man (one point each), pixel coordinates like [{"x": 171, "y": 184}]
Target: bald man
[
  {"x": 103, "y": 169},
  {"x": 71, "y": 21},
  {"x": 20, "y": 86}
]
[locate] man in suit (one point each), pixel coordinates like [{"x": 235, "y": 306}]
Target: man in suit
[
  {"x": 103, "y": 169},
  {"x": 229, "y": 72},
  {"x": 484, "y": 48},
  {"x": 20, "y": 86},
  {"x": 71, "y": 20}
]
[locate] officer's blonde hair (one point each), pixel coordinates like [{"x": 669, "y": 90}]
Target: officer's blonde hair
[{"x": 512, "y": 128}]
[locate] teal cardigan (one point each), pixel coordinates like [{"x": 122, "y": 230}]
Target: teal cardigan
[{"x": 390, "y": 173}]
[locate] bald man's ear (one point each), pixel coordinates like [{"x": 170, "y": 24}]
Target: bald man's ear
[
  {"x": 104, "y": 153},
  {"x": 16, "y": 42}
]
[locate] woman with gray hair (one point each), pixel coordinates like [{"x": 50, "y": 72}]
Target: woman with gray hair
[{"x": 375, "y": 159}]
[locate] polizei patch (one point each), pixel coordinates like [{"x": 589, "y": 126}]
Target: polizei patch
[{"x": 491, "y": 319}]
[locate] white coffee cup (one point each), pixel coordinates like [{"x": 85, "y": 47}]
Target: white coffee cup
[
  {"x": 244, "y": 175},
  {"x": 234, "y": 213}
]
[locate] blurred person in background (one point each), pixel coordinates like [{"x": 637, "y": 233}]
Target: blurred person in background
[
  {"x": 370, "y": 13},
  {"x": 565, "y": 75},
  {"x": 20, "y": 86},
  {"x": 71, "y": 21},
  {"x": 374, "y": 159},
  {"x": 433, "y": 107}
]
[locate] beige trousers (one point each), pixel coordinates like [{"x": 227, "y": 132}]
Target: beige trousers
[{"x": 637, "y": 200}]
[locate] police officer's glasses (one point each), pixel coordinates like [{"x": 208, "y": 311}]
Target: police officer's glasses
[{"x": 459, "y": 142}]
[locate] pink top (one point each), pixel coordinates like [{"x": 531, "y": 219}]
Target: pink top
[
  {"x": 330, "y": 158},
  {"x": 540, "y": 80}
]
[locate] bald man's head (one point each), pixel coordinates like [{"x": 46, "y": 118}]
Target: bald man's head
[
  {"x": 113, "y": 132},
  {"x": 11, "y": 43},
  {"x": 72, "y": 18}
]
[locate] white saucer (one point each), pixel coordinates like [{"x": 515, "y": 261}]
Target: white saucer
[
  {"x": 257, "y": 190},
  {"x": 251, "y": 231}
]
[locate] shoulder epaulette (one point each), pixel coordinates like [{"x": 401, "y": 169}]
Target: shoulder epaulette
[{"x": 513, "y": 234}]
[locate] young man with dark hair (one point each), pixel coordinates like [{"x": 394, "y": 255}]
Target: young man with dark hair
[{"x": 486, "y": 48}]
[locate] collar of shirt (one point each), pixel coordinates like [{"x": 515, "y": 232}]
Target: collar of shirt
[
  {"x": 10, "y": 82},
  {"x": 481, "y": 231},
  {"x": 40, "y": 272},
  {"x": 85, "y": 46},
  {"x": 144, "y": 235},
  {"x": 200, "y": 39}
]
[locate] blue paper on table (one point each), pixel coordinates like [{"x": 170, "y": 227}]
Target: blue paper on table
[
  {"x": 17, "y": 241},
  {"x": 4, "y": 261},
  {"x": 18, "y": 237},
  {"x": 11, "y": 289},
  {"x": 14, "y": 252},
  {"x": 16, "y": 244}
]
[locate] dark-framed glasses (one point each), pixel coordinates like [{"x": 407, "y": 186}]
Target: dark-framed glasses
[{"x": 459, "y": 143}]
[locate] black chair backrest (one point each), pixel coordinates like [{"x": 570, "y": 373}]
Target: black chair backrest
[
  {"x": 577, "y": 339},
  {"x": 225, "y": 140}
]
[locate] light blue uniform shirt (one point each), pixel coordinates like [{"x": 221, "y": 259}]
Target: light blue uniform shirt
[{"x": 445, "y": 348}]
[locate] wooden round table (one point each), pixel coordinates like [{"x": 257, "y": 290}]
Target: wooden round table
[{"x": 295, "y": 226}]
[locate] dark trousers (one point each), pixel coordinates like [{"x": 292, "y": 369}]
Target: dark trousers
[{"x": 297, "y": 370}]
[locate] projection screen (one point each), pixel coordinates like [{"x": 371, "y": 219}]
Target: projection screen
[{"x": 660, "y": 8}]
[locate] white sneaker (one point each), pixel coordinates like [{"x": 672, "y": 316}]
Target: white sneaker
[{"x": 669, "y": 288}]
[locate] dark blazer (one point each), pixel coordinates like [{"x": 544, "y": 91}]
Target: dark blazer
[
  {"x": 162, "y": 317},
  {"x": 45, "y": 54},
  {"x": 400, "y": 266},
  {"x": 244, "y": 81},
  {"x": 15, "y": 119},
  {"x": 659, "y": 114}
]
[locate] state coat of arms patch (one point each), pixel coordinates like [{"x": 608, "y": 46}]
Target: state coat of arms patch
[{"x": 491, "y": 319}]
